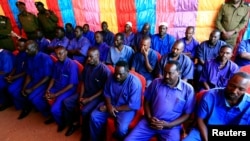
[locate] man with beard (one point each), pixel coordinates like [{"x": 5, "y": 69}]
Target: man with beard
[
  {"x": 168, "y": 103},
  {"x": 108, "y": 36},
  {"x": 186, "y": 64},
  {"x": 78, "y": 46},
  {"x": 139, "y": 35},
  {"x": 162, "y": 42},
  {"x": 144, "y": 62},
  {"x": 209, "y": 49},
  {"x": 218, "y": 71},
  {"x": 122, "y": 93},
  {"x": 223, "y": 106},
  {"x": 119, "y": 51},
  {"x": 206, "y": 51},
  {"x": 47, "y": 19},
  {"x": 94, "y": 77}
]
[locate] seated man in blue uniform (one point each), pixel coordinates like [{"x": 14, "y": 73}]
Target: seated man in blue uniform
[
  {"x": 223, "y": 106},
  {"x": 128, "y": 34},
  {"x": 108, "y": 36},
  {"x": 218, "y": 71},
  {"x": 243, "y": 53},
  {"x": 102, "y": 46},
  {"x": 122, "y": 94},
  {"x": 168, "y": 102},
  {"x": 94, "y": 77},
  {"x": 87, "y": 33},
  {"x": 145, "y": 31},
  {"x": 190, "y": 43},
  {"x": 78, "y": 46},
  {"x": 17, "y": 76},
  {"x": 69, "y": 31},
  {"x": 38, "y": 73},
  {"x": 62, "y": 85},
  {"x": 6, "y": 65},
  {"x": 144, "y": 62},
  {"x": 119, "y": 51},
  {"x": 59, "y": 40},
  {"x": 42, "y": 41},
  {"x": 209, "y": 49},
  {"x": 186, "y": 64},
  {"x": 162, "y": 42}
]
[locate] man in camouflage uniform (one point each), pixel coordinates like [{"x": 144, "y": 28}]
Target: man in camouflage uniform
[
  {"x": 47, "y": 19},
  {"x": 5, "y": 28},
  {"x": 231, "y": 19},
  {"x": 28, "y": 21}
]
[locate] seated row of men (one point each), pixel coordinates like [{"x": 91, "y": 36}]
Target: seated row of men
[{"x": 51, "y": 88}]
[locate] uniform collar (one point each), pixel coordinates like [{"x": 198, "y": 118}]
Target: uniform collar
[{"x": 241, "y": 105}]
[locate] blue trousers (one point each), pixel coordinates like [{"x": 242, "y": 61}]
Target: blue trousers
[
  {"x": 38, "y": 100},
  {"x": 14, "y": 90},
  {"x": 143, "y": 132},
  {"x": 98, "y": 121},
  {"x": 57, "y": 107}
]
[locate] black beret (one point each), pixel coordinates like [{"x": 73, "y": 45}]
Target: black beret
[
  {"x": 39, "y": 3},
  {"x": 20, "y": 3}
]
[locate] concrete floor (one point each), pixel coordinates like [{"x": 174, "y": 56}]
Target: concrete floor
[{"x": 31, "y": 128}]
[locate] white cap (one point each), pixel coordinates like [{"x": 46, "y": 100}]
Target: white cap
[
  {"x": 163, "y": 23},
  {"x": 129, "y": 23}
]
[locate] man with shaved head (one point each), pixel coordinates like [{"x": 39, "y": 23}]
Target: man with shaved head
[
  {"x": 93, "y": 79},
  {"x": 223, "y": 106},
  {"x": 38, "y": 73},
  {"x": 186, "y": 64}
]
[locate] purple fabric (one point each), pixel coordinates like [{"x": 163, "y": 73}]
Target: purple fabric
[
  {"x": 186, "y": 64},
  {"x": 139, "y": 64},
  {"x": 244, "y": 47},
  {"x": 81, "y": 44},
  {"x": 43, "y": 44},
  {"x": 39, "y": 66},
  {"x": 137, "y": 39},
  {"x": 108, "y": 37},
  {"x": 168, "y": 103},
  {"x": 216, "y": 77},
  {"x": 114, "y": 55},
  {"x": 65, "y": 73},
  {"x": 125, "y": 93},
  {"x": 57, "y": 42},
  {"x": 20, "y": 62},
  {"x": 215, "y": 109},
  {"x": 128, "y": 40},
  {"x": 90, "y": 35},
  {"x": 104, "y": 50},
  {"x": 191, "y": 47},
  {"x": 94, "y": 78},
  {"x": 206, "y": 52},
  {"x": 163, "y": 46},
  {"x": 70, "y": 35}
]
